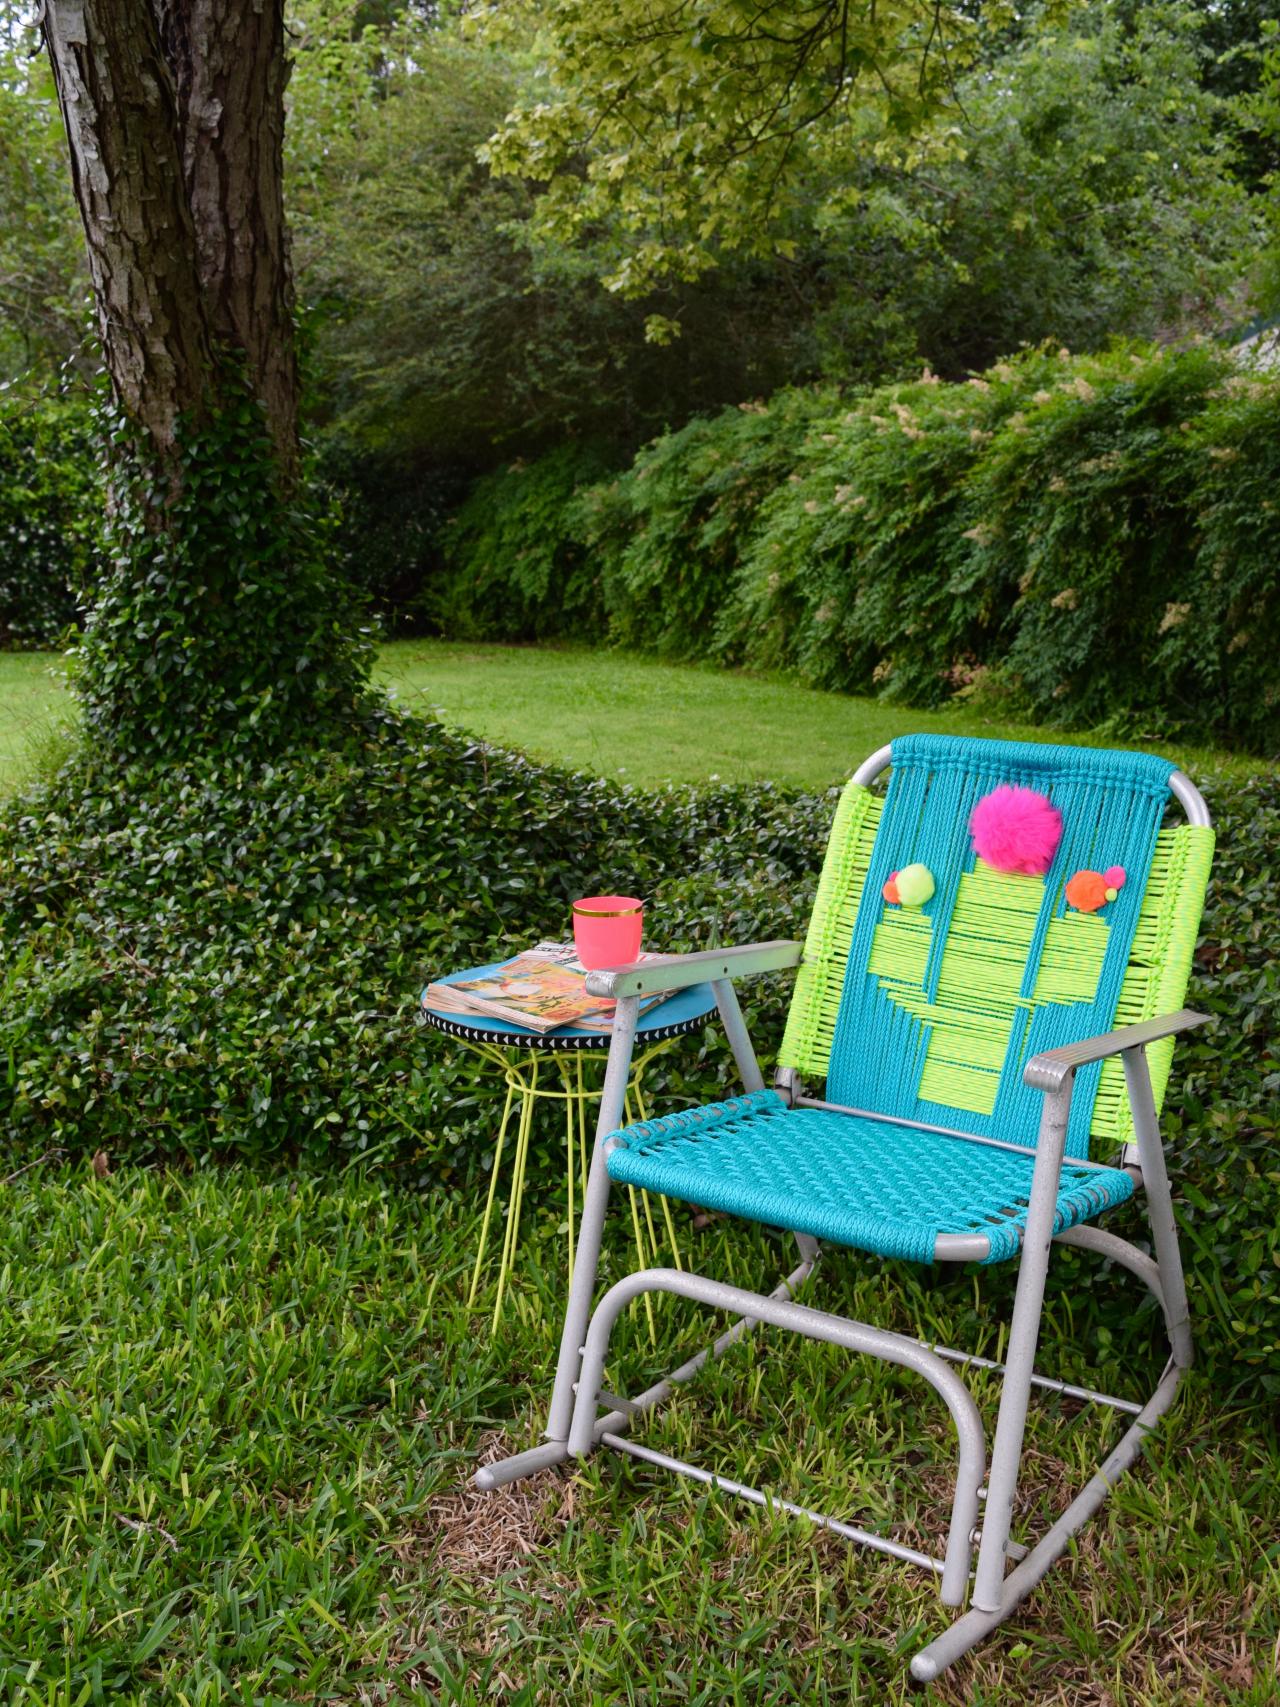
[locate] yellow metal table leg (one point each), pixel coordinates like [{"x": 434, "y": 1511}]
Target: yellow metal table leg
[
  {"x": 521, "y": 1073},
  {"x": 512, "y": 1238},
  {"x": 648, "y": 1296},
  {"x": 570, "y": 1160},
  {"x": 493, "y": 1191},
  {"x": 638, "y": 1089}
]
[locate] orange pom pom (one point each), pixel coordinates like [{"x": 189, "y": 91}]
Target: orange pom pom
[
  {"x": 1087, "y": 891},
  {"x": 890, "y": 890}
]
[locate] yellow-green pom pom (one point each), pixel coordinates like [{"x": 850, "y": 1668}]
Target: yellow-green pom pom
[{"x": 915, "y": 885}]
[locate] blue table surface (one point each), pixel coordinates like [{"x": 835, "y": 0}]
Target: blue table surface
[{"x": 685, "y": 1005}]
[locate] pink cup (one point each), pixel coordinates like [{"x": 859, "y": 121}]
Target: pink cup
[{"x": 607, "y": 929}]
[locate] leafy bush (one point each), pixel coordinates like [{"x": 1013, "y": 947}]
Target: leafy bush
[
  {"x": 856, "y": 569},
  {"x": 667, "y": 535},
  {"x": 1093, "y": 509},
  {"x": 1085, "y": 538},
  {"x": 1220, "y": 1126},
  {"x": 50, "y": 517},
  {"x": 223, "y": 956},
  {"x": 222, "y": 959},
  {"x": 516, "y": 567},
  {"x": 218, "y": 622}
]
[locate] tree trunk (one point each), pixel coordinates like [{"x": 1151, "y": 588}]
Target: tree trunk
[
  {"x": 117, "y": 100},
  {"x": 175, "y": 119},
  {"x": 230, "y": 72},
  {"x": 218, "y": 626}
]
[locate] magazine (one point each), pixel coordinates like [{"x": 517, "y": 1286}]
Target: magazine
[{"x": 542, "y": 989}]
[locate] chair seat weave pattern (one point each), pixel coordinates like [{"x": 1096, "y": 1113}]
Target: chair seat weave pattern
[{"x": 850, "y": 1179}]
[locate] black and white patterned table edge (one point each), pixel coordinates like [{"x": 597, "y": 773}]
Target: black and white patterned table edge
[{"x": 550, "y": 1040}]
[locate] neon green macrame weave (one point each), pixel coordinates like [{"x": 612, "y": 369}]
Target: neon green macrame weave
[
  {"x": 815, "y": 1003},
  {"x": 978, "y": 1003}
]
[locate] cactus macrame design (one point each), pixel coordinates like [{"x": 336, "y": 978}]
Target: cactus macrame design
[{"x": 978, "y": 1011}]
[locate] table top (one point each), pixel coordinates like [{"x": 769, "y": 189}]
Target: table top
[{"x": 687, "y": 1010}]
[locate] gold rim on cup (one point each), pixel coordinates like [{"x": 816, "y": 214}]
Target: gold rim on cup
[{"x": 607, "y": 912}]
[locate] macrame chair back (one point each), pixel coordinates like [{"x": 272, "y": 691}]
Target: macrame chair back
[{"x": 930, "y": 1014}]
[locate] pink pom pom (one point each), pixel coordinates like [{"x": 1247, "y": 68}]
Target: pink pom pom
[
  {"x": 1114, "y": 877},
  {"x": 1016, "y": 829}
]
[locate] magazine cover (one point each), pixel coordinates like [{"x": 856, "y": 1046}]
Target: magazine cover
[{"x": 543, "y": 989}]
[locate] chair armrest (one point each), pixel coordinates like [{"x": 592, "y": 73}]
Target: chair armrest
[
  {"x": 679, "y": 971},
  {"x": 1050, "y": 1070}
]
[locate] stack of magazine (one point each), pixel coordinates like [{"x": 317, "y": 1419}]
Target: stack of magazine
[{"x": 542, "y": 989}]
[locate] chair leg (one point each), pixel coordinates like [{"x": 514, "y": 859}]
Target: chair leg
[
  {"x": 979, "y": 1622},
  {"x": 783, "y": 1312},
  {"x": 996, "y": 1598},
  {"x": 582, "y": 1289},
  {"x": 1155, "y": 1186},
  {"x": 1024, "y": 1333}
]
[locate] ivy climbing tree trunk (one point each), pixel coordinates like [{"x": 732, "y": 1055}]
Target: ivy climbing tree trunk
[{"x": 219, "y": 620}]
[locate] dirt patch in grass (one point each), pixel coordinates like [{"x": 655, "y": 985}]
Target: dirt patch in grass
[{"x": 478, "y": 1536}]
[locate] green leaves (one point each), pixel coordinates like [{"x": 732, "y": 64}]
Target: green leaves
[
  {"x": 688, "y": 136},
  {"x": 50, "y": 546},
  {"x": 515, "y": 567},
  {"x": 1073, "y": 178},
  {"x": 218, "y": 620}
]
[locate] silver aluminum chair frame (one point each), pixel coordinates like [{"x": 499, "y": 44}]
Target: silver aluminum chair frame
[{"x": 574, "y": 1428}]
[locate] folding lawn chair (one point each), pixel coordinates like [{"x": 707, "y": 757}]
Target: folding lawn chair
[{"x": 977, "y": 934}]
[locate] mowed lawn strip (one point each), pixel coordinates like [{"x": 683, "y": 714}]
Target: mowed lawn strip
[
  {"x": 238, "y": 1413},
  {"x": 35, "y": 704},
  {"x": 608, "y": 712}
]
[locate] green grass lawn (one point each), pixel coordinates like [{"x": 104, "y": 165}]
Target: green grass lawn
[
  {"x": 653, "y": 723},
  {"x": 34, "y": 704},
  {"x": 618, "y": 715},
  {"x": 238, "y": 1415}
]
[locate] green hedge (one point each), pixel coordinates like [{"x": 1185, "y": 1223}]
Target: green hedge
[
  {"x": 50, "y": 517},
  {"x": 516, "y": 565},
  {"x": 1086, "y": 540},
  {"x": 205, "y": 962}
]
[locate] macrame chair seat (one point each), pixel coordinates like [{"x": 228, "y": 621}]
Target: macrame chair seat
[
  {"x": 971, "y": 1071},
  {"x": 885, "y": 1188}
]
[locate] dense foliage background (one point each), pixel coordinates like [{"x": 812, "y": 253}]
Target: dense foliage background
[
  {"x": 848, "y": 440},
  {"x": 1093, "y": 171},
  {"x": 50, "y": 516}
]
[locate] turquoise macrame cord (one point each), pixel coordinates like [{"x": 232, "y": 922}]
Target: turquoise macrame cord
[{"x": 1112, "y": 805}]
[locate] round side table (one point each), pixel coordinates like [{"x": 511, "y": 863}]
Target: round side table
[{"x": 555, "y": 1066}]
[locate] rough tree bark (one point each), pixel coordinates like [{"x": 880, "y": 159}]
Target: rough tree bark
[
  {"x": 174, "y": 111},
  {"x": 217, "y": 625}
]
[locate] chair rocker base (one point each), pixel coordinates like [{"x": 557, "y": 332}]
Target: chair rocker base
[
  {"x": 575, "y": 1427},
  {"x": 556, "y": 1451},
  {"x": 589, "y": 1429}
]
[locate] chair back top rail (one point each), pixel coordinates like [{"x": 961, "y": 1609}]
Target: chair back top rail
[{"x": 1181, "y": 786}]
